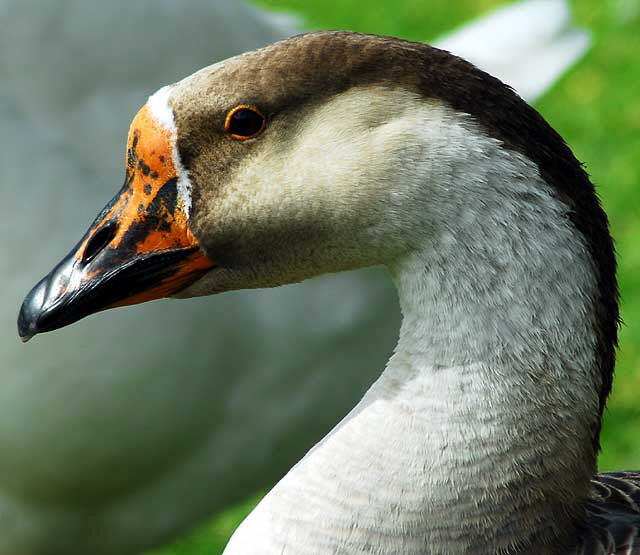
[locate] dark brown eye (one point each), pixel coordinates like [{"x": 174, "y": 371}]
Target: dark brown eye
[{"x": 244, "y": 122}]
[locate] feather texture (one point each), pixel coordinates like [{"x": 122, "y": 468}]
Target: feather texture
[{"x": 612, "y": 526}]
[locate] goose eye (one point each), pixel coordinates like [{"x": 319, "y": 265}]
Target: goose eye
[{"x": 244, "y": 122}]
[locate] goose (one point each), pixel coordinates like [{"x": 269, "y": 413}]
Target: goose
[
  {"x": 75, "y": 461},
  {"x": 332, "y": 151}
]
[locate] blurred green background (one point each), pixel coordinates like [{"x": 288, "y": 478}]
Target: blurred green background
[{"x": 596, "y": 107}]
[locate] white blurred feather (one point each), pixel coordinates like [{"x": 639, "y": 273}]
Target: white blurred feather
[{"x": 527, "y": 45}]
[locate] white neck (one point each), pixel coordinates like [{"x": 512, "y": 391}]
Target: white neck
[{"x": 477, "y": 438}]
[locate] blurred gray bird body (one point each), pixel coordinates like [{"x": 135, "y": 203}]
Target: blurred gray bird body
[{"x": 106, "y": 447}]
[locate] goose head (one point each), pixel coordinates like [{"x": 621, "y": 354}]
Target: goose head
[
  {"x": 321, "y": 153},
  {"x": 258, "y": 171},
  {"x": 265, "y": 169}
]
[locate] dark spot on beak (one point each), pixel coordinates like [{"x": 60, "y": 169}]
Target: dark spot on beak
[
  {"x": 132, "y": 156},
  {"x": 146, "y": 170},
  {"x": 166, "y": 198}
]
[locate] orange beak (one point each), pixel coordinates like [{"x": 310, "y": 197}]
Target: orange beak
[{"x": 139, "y": 248}]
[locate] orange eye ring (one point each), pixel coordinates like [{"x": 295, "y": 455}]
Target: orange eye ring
[{"x": 244, "y": 122}]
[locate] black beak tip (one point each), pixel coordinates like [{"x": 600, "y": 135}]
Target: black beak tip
[
  {"x": 59, "y": 299},
  {"x": 30, "y": 312},
  {"x": 25, "y": 338},
  {"x": 25, "y": 330}
]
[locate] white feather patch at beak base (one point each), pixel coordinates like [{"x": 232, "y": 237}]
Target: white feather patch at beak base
[{"x": 161, "y": 111}]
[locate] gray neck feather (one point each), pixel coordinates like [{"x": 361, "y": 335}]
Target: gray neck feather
[{"x": 477, "y": 436}]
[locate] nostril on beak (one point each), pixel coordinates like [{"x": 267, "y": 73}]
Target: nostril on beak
[{"x": 99, "y": 241}]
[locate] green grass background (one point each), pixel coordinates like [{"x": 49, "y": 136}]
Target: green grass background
[{"x": 596, "y": 107}]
